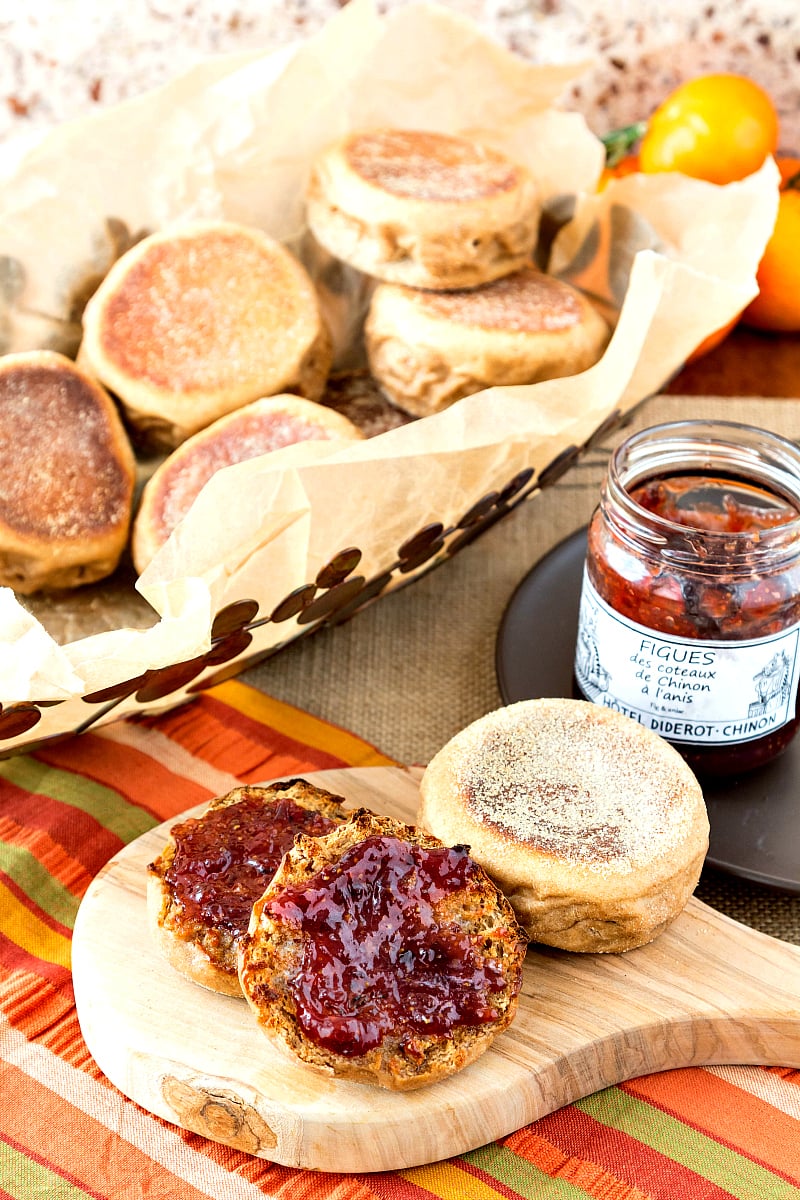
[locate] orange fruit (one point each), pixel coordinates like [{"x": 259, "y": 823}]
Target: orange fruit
[
  {"x": 777, "y": 305},
  {"x": 628, "y": 165},
  {"x": 716, "y": 127},
  {"x": 713, "y": 340}
]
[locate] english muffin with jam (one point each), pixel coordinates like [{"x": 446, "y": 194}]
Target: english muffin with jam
[
  {"x": 201, "y": 888},
  {"x": 380, "y": 955}
]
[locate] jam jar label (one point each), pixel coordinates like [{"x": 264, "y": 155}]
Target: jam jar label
[{"x": 689, "y": 690}]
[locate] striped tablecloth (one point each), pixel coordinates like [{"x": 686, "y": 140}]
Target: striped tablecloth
[{"x": 66, "y": 1132}]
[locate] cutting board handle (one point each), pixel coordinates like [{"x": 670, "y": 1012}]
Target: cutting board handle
[{"x": 710, "y": 990}]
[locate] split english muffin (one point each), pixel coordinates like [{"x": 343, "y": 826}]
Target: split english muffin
[
  {"x": 201, "y": 888},
  {"x": 249, "y": 432},
  {"x": 428, "y": 349},
  {"x": 193, "y": 322},
  {"x": 67, "y": 475},
  {"x": 379, "y": 955},
  {"x": 593, "y": 826},
  {"x": 421, "y": 208}
]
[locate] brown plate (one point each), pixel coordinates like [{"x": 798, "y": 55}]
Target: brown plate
[{"x": 755, "y": 817}]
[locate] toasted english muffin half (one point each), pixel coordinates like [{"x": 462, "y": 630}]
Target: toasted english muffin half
[
  {"x": 379, "y": 955},
  {"x": 201, "y": 888}
]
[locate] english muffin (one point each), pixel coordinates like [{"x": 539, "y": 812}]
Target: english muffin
[
  {"x": 67, "y": 475},
  {"x": 428, "y": 349},
  {"x": 594, "y": 827},
  {"x": 421, "y": 208},
  {"x": 379, "y": 955},
  {"x": 195, "y": 321},
  {"x": 251, "y": 431},
  {"x": 201, "y": 888}
]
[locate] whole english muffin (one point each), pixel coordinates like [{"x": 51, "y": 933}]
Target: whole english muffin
[
  {"x": 594, "y": 826},
  {"x": 249, "y": 432},
  {"x": 201, "y": 888},
  {"x": 424, "y": 209},
  {"x": 428, "y": 349},
  {"x": 379, "y": 955},
  {"x": 67, "y": 475},
  {"x": 195, "y": 321}
]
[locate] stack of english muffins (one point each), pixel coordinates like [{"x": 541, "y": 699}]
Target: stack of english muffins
[
  {"x": 448, "y": 227},
  {"x": 206, "y": 343}
]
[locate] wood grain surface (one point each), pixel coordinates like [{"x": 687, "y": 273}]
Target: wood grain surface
[
  {"x": 748, "y": 362},
  {"x": 708, "y": 990}
]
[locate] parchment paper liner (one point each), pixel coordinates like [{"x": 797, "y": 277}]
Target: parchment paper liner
[{"x": 668, "y": 259}]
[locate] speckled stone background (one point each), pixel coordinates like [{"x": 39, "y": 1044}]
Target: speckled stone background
[{"x": 62, "y": 58}]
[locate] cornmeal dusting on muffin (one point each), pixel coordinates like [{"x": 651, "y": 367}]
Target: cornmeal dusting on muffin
[
  {"x": 59, "y": 476},
  {"x": 527, "y": 301},
  {"x": 430, "y": 166},
  {"x": 203, "y": 311},
  {"x": 252, "y": 436},
  {"x": 531, "y": 782}
]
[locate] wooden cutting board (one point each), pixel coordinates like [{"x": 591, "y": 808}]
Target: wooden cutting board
[{"x": 708, "y": 990}]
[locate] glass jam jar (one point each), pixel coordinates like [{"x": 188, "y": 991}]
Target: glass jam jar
[{"x": 690, "y": 608}]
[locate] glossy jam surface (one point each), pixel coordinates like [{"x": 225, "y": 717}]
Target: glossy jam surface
[
  {"x": 715, "y": 504},
  {"x": 705, "y": 600},
  {"x": 224, "y": 860},
  {"x": 377, "y": 958}
]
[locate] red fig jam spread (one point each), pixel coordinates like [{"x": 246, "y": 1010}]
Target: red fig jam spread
[
  {"x": 690, "y": 613},
  {"x": 224, "y": 861},
  {"x": 376, "y": 957}
]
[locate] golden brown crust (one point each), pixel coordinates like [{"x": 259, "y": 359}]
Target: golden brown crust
[
  {"x": 206, "y": 954},
  {"x": 193, "y": 322},
  {"x": 594, "y": 827},
  {"x": 405, "y": 1058},
  {"x": 423, "y": 209},
  {"x": 67, "y": 475},
  {"x": 429, "y": 349},
  {"x": 251, "y": 431}
]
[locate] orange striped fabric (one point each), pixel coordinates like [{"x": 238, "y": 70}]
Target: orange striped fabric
[{"x": 65, "y": 1131}]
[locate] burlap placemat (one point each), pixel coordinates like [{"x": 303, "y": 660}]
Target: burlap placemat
[{"x": 418, "y": 665}]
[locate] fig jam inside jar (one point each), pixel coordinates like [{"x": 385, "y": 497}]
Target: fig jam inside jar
[{"x": 690, "y": 609}]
